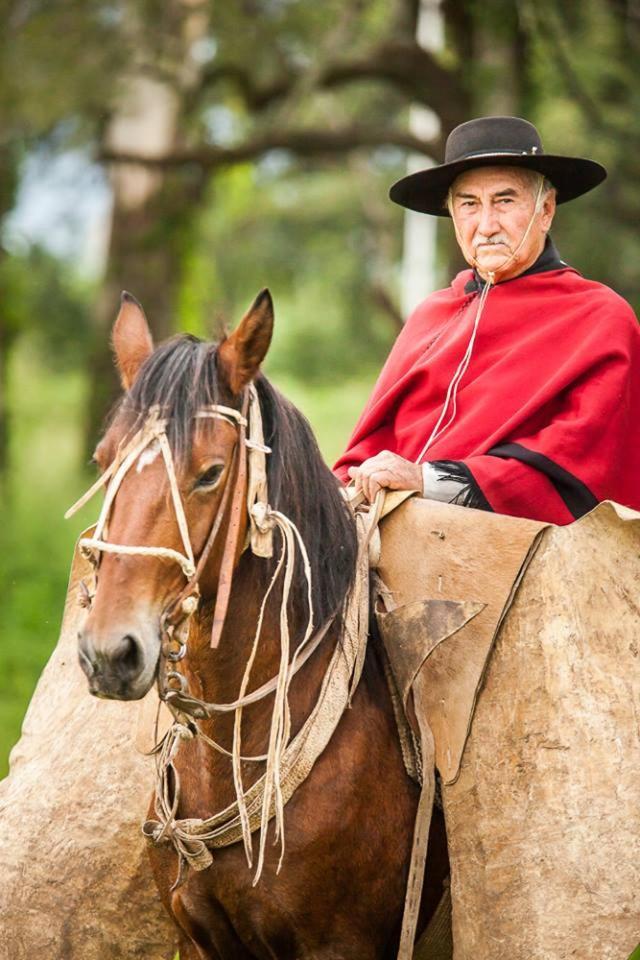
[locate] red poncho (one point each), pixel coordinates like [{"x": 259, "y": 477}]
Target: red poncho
[{"x": 548, "y": 420}]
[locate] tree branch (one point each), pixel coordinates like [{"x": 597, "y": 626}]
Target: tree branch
[
  {"x": 573, "y": 83},
  {"x": 403, "y": 63},
  {"x": 256, "y": 96},
  {"x": 412, "y": 69},
  {"x": 546, "y": 25},
  {"x": 303, "y": 143}
]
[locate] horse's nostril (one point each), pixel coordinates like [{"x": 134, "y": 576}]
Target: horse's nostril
[
  {"x": 86, "y": 663},
  {"x": 115, "y": 663},
  {"x": 130, "y": 656}
]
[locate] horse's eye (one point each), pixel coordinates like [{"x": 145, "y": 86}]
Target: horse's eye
[{"x": 211, "y": 476}]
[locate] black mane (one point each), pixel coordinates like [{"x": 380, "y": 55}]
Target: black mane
[{"x": 180, "y": 377}]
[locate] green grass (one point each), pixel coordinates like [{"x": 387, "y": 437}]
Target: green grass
[
  {"x": 46, "y": 476},
  {"x": 35, "y": 542}
]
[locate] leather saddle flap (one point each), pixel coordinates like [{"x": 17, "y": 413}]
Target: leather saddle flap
[{"x": 451, "y": 573}]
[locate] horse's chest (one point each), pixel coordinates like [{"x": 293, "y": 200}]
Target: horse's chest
[{"x": 229, "y": 919}]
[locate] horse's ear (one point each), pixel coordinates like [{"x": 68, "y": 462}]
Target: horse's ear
[
  {"x": 131, "y": 339},
  {"x": 240, "y": 355}
]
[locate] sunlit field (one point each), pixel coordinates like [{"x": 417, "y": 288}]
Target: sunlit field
[{"x": 46, "y": 476}]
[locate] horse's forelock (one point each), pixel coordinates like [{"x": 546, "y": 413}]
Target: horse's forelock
[{"x": 179, "y": 378}]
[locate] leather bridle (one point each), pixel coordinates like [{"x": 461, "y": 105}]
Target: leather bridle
[{"x": 174, "y": 620}]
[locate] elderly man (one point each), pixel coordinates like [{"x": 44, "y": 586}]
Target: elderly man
[{"x": 517, "y": 388}]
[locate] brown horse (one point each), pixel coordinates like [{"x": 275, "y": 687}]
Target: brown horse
[{"x": 341, "y": 889}]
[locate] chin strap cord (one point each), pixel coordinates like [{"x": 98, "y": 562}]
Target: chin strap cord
[{"x": 452, "y": 390}]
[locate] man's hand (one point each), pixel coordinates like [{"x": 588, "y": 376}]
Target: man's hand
[{"x": 386, "y": 470}]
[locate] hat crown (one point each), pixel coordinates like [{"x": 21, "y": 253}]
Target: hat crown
[{"x": 492, "y": 135}]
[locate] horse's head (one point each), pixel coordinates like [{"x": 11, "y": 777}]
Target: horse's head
[{"x": 164, "y": 426}]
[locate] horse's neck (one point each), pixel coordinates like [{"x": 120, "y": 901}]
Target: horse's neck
[{"x": 216, "y": 675}]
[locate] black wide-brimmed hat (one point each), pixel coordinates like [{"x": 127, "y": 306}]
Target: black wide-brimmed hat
[{"x": 494, "y": 142}]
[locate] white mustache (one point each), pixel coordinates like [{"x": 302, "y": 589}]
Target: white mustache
[{"x": 490, "y": 241}]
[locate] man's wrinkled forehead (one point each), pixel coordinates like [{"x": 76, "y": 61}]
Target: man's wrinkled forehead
[{"x": 493, "y": 180}]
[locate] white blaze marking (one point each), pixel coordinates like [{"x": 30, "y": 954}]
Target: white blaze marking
[{"x": 148, "y": 456}]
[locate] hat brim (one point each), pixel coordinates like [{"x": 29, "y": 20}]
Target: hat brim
[{"x": 426, "y": 191}]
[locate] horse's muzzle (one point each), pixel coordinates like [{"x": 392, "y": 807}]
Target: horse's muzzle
[{"x": 120, "y": 668}]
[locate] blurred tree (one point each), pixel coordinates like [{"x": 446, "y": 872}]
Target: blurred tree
[
  {"x": 43, "y": 99},
  {"x": 585, "y": 72},
  {"x": 264, "y": 90},
  {"x": 38, "y": 298},
  {"x": 323, "y": 243},
  {"x": 152, "y": 209},
  {"x": 50, "y": 303},
  {"x": 175, "y": 94}
]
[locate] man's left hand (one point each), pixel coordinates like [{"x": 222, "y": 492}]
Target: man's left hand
[{"x": 386, "y": 470}]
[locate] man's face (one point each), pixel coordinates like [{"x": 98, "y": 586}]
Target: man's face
[{"x": 492, "y": 207}]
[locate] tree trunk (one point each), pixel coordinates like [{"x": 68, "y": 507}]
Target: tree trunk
[
  {"x": 152, "y": 209},
  {"x": 500, "y": 55},
  {"x": 419, "y": 264}
]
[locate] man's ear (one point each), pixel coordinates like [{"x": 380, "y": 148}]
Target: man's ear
[
  {"x": 548, "y": 210},
  {"x": 131, "y": 339},
  {"x": 240, "y": 355}
]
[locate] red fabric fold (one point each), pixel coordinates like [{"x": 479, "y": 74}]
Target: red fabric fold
[{"x": 555, "y": 369}]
